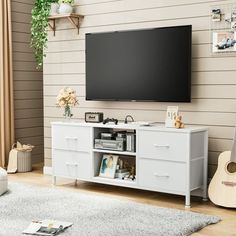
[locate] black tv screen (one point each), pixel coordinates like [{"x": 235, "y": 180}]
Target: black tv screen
[{"x": 139, "y": 65}]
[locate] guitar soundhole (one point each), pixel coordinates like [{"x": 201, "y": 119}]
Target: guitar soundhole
[{"x": 231, "y": 167}]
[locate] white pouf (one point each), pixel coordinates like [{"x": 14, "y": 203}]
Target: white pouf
[{"x": 3, "y": 181}]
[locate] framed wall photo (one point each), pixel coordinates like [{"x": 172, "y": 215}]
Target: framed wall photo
[
  {"x": 233, "y": 25},
  {"x": 108, "y": 166},
  {"x": 216, "y": 14},
  {"x": 223, "y": 41}
]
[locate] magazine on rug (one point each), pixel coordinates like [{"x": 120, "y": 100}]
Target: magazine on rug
[{"x": 46, "y": 227}]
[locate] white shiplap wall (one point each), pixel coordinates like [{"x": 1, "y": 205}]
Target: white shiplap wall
[
  {"x": 213, "y": 78},
  {"x": 28, "y": 82}
]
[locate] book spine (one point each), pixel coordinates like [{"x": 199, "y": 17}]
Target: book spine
[{"x": 129, "y": 148}]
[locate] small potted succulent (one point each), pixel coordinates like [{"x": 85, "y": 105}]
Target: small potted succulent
[{"x": 65, "y": 6}]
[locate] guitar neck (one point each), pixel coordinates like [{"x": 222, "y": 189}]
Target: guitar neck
[{"x": 233, "y": 152}]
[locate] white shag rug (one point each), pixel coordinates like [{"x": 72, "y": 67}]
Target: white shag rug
[{"x": 92, "y": 215}]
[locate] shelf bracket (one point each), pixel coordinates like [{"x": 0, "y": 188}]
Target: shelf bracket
[
  {"x": 74, "y": 23},
  {"x": 53, "y": 26}
]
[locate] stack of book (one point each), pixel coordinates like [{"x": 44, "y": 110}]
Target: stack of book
[{"x": 121, "y": 173}]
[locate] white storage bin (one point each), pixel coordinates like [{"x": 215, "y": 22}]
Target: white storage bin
[{"x": 24, "y": 160}]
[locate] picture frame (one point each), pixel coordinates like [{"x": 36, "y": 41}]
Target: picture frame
[
  {"x": 108, "y": 166},
  {"x": 171, "y": 113},
  {"x": 228, "y": 17},
  {"x": 216, "y": 14},
  {"x": 233, "y": 15},
  {"x": 233, "y": 25},
  {"x": 223, "y": 41}
]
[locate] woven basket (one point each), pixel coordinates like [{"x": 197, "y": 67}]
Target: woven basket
[{"x": 24, "y": 161}]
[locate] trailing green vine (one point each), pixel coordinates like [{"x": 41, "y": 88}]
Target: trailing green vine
[{"x": 39, "y": 24}]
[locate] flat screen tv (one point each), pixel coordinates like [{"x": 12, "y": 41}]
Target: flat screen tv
[{"x": 139, "y": 65}]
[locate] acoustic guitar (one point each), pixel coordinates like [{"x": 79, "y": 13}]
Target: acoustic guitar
[{"x": 222, "y": 188}]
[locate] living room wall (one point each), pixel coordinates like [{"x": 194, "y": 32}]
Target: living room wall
[
  {"x": 213, "y": 77},
  {"x": 28, "y": 82}
]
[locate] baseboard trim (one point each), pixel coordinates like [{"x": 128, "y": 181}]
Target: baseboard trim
[{"x": 47, "y": 170}]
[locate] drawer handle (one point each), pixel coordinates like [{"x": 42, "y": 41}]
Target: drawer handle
[
  {"x": 74, "y": 138},
  {"x": 161, "y": 146},
  {"x": 71, "y": 164},
  {"x": 161, "y": 175}
]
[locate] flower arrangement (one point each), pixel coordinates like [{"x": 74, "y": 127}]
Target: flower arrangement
[{"x": 67, "y": 99}]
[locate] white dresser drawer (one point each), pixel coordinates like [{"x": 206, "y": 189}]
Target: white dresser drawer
[
  {"x": 161, "y": 175},
  {"x": 72, "y": 138},
  {"x": 71, "y": 164},
  {"x": 163, "y": 145}
]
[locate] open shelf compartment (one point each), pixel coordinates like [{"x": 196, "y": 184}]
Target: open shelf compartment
[
  {"x": 116, "y": 181},
  {"x": 129, "y": 158}
]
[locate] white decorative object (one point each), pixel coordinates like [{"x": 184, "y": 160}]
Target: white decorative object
[
  {"x": 3, "y": 181},
  {"x": 54, "y": 9},
  {"x": 167, "y": 160},
  {"x": 65, "y": 8},
  {"x": 171, "y": 113}
]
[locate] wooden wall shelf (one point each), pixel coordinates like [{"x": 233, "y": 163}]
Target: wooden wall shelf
[{"x": 73, "y": 18}]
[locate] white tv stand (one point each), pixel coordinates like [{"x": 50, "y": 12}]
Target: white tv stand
[{"x": 167, "y": 159}]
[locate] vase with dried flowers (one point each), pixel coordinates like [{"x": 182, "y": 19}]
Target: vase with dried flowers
[{"x": 67, "y": 99}]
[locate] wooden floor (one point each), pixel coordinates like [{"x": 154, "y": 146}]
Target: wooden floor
[{"x": 225, "y": 228}]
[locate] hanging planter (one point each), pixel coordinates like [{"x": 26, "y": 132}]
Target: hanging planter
[{"x": 39, "y": 25}]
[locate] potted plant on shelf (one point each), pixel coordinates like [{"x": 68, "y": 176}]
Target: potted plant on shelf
[
  {"x": 65, "y": 6},
  {"x": 39, "y": 24},
  {"x": 54, "y": 8},
  {"x": 67, "y": 99}
]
